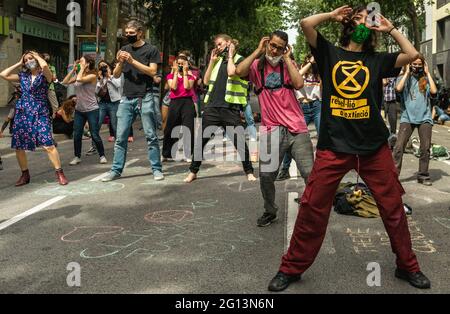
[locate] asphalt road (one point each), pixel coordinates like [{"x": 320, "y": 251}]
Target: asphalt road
[{"x": 139, "y": 236}]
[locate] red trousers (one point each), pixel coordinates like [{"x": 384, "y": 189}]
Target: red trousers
[{"x": 379, "y": 173}]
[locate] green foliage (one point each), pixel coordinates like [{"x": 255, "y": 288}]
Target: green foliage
[
  {"x": 188, "y": 24},
  {"x": 400, "y": 12}
]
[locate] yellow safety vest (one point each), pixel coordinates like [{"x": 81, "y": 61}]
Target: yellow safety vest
[{"x": 237, "y": 88}]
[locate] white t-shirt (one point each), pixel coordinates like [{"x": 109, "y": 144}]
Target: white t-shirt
[{"x": 311, "y": 90}]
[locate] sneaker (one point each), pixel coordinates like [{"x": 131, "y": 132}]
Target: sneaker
[
  {"x": 103, "y": 160},
  {"x": 283, "y": 175},
  {"x": 158, "y": 175},
  {"x": 75, "y": 161},
  {"x": 426, "y": 182},
  {"x": 281, "y": 281},
  {"x": 266, "y": 220},
  {"x": 111, "y": 139},
  {"x": 408, "y": 209},
  {"x": 130, "y": 139},
  {"x": 418, "y": 279},
  {"x": 111, "y": 177},
  {"x": 167, "y": 159},
  {"x": 92, "y": 151}
]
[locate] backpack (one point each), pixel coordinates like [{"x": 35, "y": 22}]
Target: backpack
[
  {"x": 263, "y": 79},
  {"x": 360, "y": 203}
]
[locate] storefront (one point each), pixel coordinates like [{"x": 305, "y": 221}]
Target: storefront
[{"x": 46, "y": 38}]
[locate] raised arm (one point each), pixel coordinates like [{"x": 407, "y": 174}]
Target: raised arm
[
  {"x": 243, "y": 68},
  {"x": 188, "y": 84},
  {"x": 231, "y": 67},
  {"x": 433, "y": 87},
  {"x": 294, "y": 73},
  {"x": 212, "y": 62},
  {"x": 7, "y": 73},
  {"x": 401, "y": 84},
  {"x": 309, "y": 24},
  {"x": 409, "y": 52},
  {"x": 70, "y": 77},
  {"x": 173, "y": 83},
  {"x": 44, "y": 66}
]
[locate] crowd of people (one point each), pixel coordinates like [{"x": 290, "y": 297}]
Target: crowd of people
[{"x": 341, "y": 89}]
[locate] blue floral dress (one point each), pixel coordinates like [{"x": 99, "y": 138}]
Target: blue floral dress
[{"x": 32, "y": 127}]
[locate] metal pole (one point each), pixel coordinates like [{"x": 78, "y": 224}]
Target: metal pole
[{"x": 71, "y": 88}]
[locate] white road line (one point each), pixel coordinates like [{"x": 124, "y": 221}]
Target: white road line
[
  {"x": 292, "y": 211},
  {"x": 30, "y": 212},
  {"x": 50, "y": 202}
]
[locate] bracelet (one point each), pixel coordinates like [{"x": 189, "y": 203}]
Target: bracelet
[{"x": 392, "y": 30}]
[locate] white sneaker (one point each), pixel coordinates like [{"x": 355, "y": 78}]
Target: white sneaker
[
  {"x": 158, "y": 175},
  {"x": 103, "y": 160},
  {"x": 75, "y": 161}
]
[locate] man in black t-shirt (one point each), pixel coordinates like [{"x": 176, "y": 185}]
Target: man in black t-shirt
[
  {"x": 138, "y": 63},
  {"x": 352, "y": 136}
]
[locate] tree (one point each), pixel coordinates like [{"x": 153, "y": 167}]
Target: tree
[
  {"x": 407, "y": 14},
  {"x": 112, "y": 12},
  {"x": 189, "y": 24}
]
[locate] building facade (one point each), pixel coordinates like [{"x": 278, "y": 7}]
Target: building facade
[
  {"x": 441, "y": 41},
  {"x": 38, "y": 25}
]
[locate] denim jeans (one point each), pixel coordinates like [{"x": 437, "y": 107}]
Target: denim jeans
[
  {"x": 251, "y": 127},
  {"x": 311, "y": 111},
  {"x": 441, "y": 114},
  {"x": 156, "y": 100},
  {"x": 109, "y": 109},
  {"x": 126, "y": 114},
  {"x": 78, "y": 127}
]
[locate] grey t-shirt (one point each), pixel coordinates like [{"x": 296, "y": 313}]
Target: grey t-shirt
[{"x": 86, "y": 98}]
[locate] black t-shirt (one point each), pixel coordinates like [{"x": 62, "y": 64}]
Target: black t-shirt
[
  {"x": 352, "y": 96},
  {"x": 138, "y": 84},
  {"x": 217, "y": 97}
]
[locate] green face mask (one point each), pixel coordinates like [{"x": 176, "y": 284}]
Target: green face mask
[{"x": 361, "y": 34}]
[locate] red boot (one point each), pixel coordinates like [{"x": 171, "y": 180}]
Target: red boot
[
  {"x": 62, "y": 180},
  {"x": 24, "y": 178}
]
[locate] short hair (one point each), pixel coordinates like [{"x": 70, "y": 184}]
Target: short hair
[
  {"x": 135, "y": 24},
  {"x": 283, "y": 35},
  {"x": 228, "y": 38}
]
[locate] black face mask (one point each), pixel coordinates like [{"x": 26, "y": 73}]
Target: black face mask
[
  {"x": 225, "y": 52},
  {"x": 417, "y": 70},
  {"x": 132, "y": 39}
]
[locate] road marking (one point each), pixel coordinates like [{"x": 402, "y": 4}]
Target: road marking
[
  {"x": 30, "y": 212},
  {"x": 50, "y": 202},
  {"x": 104, "y": 175},
  {"x": 292, "y": 212}
]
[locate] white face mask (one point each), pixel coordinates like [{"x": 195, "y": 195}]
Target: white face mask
[
  {"x": 32, "y": 64},
  {"x": 273, "y": 60}
]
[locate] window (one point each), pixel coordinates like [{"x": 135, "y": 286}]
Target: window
[
  {"x": 443, "y": 33},
  {"x": 441, "y": 3}
]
